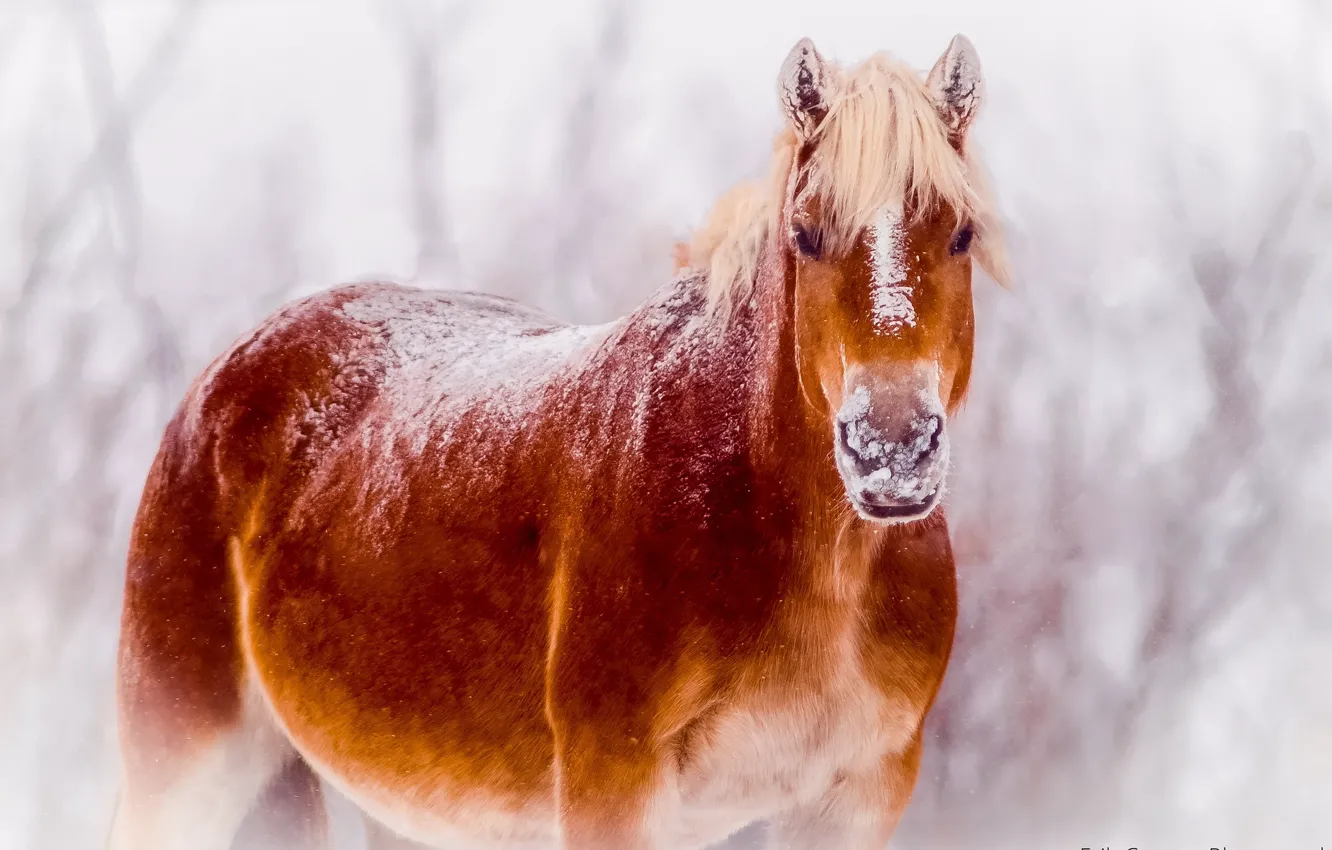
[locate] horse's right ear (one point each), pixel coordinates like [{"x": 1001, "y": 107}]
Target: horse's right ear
[
  {"x": 955, "y": 85},
  {"x": 803, "y": 86}
]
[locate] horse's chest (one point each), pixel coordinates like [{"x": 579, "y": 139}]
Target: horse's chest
[{"x": 782, "y": 748}]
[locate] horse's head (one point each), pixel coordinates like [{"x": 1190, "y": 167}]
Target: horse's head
[{"x": 882, "y": 216}]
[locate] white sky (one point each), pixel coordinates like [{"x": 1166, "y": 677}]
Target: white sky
[{"x": 322, "y": 74}]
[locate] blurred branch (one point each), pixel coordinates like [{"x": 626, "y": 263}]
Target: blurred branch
[
  {"x": 69, "y": 411},
  {"x": 587, "y": 118},
  {"x": 115, "y": 162},
  {"x": 116, "y": 168},
  {"x": 426, "y": 29},
  {"x": 1206, "y": 566},
  {"x": 1281, "y": 291},
  {"x": 113, "y": 133}
]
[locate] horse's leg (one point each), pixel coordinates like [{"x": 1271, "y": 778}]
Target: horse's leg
[
  {"x": 193, "y": 792},
  {"x": 859, "y": 813},
  {"x": 605, "y": 774},
  {"x": 197, "y": 741},
  {"x": 603, "y": 802},
  {"x": 380, "y": 837},
  {"x": 290, "y": 815}
]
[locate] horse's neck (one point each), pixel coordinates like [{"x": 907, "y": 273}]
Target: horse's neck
[
  {"x": 788, "y": 439},
  {"x": 790, "y": 436},
  {"x": 791, "y": 452},
  {"x": 722, "y": 388}
]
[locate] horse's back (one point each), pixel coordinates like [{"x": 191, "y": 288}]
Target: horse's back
[{"x": 408, "y": 378}]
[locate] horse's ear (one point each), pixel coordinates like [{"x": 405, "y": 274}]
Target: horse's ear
[
  {"x": 955, "y": 85},
  {"x": 804, "y": 88}
]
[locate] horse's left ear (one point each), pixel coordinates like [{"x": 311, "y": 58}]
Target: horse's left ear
[
  {"x": 955, "y": 85},
  {"x": 803, "y": 85}
]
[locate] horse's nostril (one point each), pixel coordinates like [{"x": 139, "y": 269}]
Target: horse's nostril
[
  {"x": 865, "y": 450},
  {"x": 844, "y": 441},
  {"x": 937, "y": 424}
]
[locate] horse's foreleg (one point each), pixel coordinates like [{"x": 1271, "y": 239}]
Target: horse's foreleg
[
  {"x": 860, "y": 812},
  {"x": 602, "y": 799},
  {"x": 605, "y": 768}
]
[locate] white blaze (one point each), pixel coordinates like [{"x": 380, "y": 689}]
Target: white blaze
[{"x": 891, "y": 300}]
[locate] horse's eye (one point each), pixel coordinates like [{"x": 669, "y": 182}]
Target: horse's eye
[
  {"x": 962, "y": 241},
  {"x": 806, "y": 242}
]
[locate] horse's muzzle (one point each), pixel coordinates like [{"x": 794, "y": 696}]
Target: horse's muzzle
[{"x": 893, "y": 462}]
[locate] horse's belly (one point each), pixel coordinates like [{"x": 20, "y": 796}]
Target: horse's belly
[
  {"x": 430, "y": 717},
  {"x": 450, "y": 819},
  {"x": 426, "y": 790}
]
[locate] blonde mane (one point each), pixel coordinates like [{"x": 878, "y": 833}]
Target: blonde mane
[{"x": 882, "y": 141}]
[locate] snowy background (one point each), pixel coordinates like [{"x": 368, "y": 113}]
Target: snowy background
[{"x": 1143, "y": 498}]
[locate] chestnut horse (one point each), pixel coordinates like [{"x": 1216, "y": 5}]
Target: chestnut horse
[{"x": 505, "y": 582}]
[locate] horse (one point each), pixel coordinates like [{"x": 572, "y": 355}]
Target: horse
[{"x": 506, "y": 582}]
